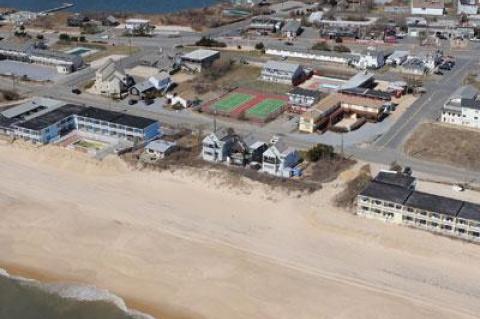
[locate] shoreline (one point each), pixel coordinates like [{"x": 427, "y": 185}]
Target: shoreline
[{"x": 132, "y": 303}]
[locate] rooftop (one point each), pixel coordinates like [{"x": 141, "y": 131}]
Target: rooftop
[
  {"x": 160, "y": 146},
  {"x": 396, "y": 179},
  {"x": 391, "y": 193},
  {"x": 305, "y": 92},
  {"x": 117, "y": 118},
  {"x": 434, "y": 203},
  {"x": 32, "y": 108},
  {"x": 282, "y": 66},
  {"x": 200, "y": 54},
  {"x": 470, "y": 211},
  {"x": 428, "y": 4},
  {"x": 50, "y": 118}
]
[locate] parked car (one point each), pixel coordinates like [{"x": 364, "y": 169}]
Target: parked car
[
  {"x": 132, "y": 102},
  {"x": 437, "y": 72},
  {"x": 76, "y": 91},
  {"x": 445, "y": 66}
]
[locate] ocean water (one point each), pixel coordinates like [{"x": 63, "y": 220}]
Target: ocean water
[
  {"x": 139, "y": 6},
  {"x": 27, "y": 299}
]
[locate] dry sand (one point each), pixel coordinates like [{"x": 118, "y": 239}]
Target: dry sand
[{"x": 185, "y": 243}]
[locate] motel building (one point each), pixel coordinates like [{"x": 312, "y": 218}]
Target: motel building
[
  {"x": 46, "y": 121},
  {"x": 391, "y": 197}
]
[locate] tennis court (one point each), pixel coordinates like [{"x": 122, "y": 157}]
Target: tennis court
[
  {"x": 265, "y": 108},
  {"x": 232, "y": 101}
]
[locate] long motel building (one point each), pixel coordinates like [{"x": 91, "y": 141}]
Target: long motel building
[
  {"x": 45, "y": 120},
  {"x": 391, "y": 197}
]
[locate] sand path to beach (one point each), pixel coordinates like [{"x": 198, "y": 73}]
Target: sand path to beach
[{"x": 186, "y": 245}]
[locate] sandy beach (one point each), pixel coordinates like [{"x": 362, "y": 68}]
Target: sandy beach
[{"x": 186, "y": 244}]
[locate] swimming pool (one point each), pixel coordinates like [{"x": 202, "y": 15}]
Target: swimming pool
[{"x": 81, "y": 51}]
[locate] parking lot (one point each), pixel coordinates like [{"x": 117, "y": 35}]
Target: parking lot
[{"x": 34, "y": 72}]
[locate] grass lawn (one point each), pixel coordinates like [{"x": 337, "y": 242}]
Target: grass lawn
[
  {"x": 232, "y": 101},
  {"x": 265, "y": 108},
  {"x": 89, "y": 144}
]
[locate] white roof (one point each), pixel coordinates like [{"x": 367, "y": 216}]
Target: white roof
[
  {"x": 137, "y": 21},
  {"x": 200, "y": 54},
  {"x": 160, "y": 146},
  {"x": 282, "y": 66}
]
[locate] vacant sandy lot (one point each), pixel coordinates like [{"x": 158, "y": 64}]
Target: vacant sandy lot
[
  {"x": 187, "y": 243},
  {"x": 447, "y": 144}
]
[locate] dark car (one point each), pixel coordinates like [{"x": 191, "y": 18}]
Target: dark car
[
  {"x": 438, "y": 72},
  {"x": 76, "y": 91},
  {"x": 132, "y": 102},
  {"x": 445, "y": 66},
  {"x": 288, "y": 43}
]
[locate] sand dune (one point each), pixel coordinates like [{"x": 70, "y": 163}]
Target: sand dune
[{"x": 187, "y": 245}]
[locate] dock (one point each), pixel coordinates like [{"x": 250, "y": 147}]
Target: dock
[{"x": 59, "y": 8}]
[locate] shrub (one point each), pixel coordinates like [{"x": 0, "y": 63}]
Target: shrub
[
  {"x": 347, "y": 197},
  {"x": 321, "y": 46},
  {"x": 320, "y": 151},
  {"x": 341, "y": 48},
  {"x": 209, "y": 42},
  {"x": 259, "y": 46}
]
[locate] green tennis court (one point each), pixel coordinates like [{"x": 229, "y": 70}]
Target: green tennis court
[
  {"x": 232, "y": 101},
  {"x": 265, "y": 108}
]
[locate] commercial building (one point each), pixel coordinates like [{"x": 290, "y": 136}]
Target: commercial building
[
  {"x": 30, "y": 52},
  {"x": 395, "y": 200},
  {"x": 282, "y": 72},
  {"x": 266, "y": 24},
  {"x": 428, "y": 7},
  {"x": 45, "y": 120},
  {"x": 462, "y": 108},
  {"x": 362, "y": 102},
  {"x": 322, "y": 56},
  {"x": 197, "y": 60}
]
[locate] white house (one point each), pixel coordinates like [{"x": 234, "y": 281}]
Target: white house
[
  {"x": 216, "y": 147},
  {"x": 469, "y": 7},
  {"x": 161, "y": 81},
  {"x": 370, "y": 59},
  {"x": 279, "y": 160},
  {"x": 135, "y": 25},
  {"x": 159, "y": 149},
  {"x": 111, "y": 80},
  {"x": 462, "y": 108},
  {"x": 397, "y": 57},
  {"x": 428, "y": 7}
]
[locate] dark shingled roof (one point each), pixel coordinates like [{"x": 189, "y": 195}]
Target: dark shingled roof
[
  {"x": 301, "y": 91},
  {"x": 434, "y": 203},
  {"x": 50, "y": 118},
  {"x": 117, "y": 118},
  {"x": 391, "y": 193},
  {"x": 396, "y": 179},
  {"x": 470, "y": 211}
]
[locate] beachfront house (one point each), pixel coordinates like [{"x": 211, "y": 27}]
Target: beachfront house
[
  {"x": 246, "y": 150},
  {"x": 161, "y": 81},
  {"x": 111, "y": 80},
  {"x": 280, "y": 159},
  {"x": 217, "y": 146},
  {"x": 160, "y": 149}
]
